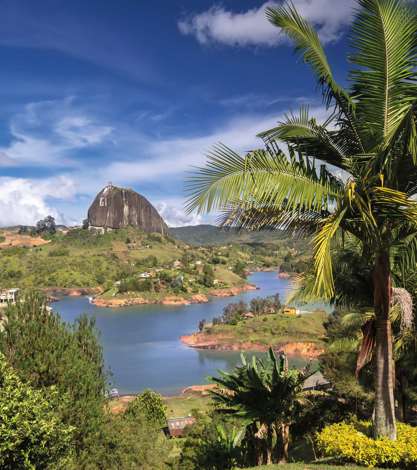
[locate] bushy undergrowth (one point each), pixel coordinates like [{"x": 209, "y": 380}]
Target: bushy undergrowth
[{"x": 353, "y": 443}]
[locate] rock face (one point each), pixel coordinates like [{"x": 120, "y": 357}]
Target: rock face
[{"x": 115, "y": 208}]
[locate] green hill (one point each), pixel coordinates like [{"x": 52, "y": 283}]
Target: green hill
[
  {"x": 212, "y": 235},
  {"x": 127, "y": 261},
  {"x": 127, "y": 258}
]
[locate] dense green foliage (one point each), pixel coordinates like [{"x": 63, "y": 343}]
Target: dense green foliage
[
  {"x": 116, "y": 260},
  {"x": 353, "y": 443},
  {"x": 32, "y": 434},
  {"x": 212, "y": 444},
  {"x": 267, "y": 396},
  {"x": 235, "y": 311},
  {"x": 62, "y": 366},
  {"x": 48, "y": 352},
  {"x": 150, "y": 405},
  {"x": 126, "y": 442}
]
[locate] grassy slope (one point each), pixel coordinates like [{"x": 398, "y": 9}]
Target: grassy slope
[
  {"x": 82, "y": 259},
  {"x": 273, "y": 329},
  {"x": 184, "y": 405},
  {"x": 212, "y": 235},
  {"x": 178, "y": 406}
]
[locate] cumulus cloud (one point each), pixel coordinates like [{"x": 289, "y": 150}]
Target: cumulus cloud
[
  {"x": 174, "y": 215},
  {"x": 25, "y": 201},
  {"x": 251, "y": 27},
  {"x": 46, "y": 133}
]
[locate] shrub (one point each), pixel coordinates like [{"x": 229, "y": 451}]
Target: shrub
[{"x": 352, "y": 443}]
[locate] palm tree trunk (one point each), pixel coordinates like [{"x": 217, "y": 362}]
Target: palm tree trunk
[
  {"x": 285, "y": 434},
  {"x": 269, "y": 444},
  {"x": 384, "y": 423}
]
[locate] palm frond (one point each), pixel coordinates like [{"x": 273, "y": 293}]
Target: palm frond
[
  {"x": 307, "y": 43},
  {"x": 266, "y": 177},
  {"x": 324, "y": 283},
  {"x": 258, "y": 216},
  {"x": 384, "y": 38},
  {"x": 309, "y": 138}
]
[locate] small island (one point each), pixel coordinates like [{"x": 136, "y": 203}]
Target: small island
[{"x": 261, "y": 324}]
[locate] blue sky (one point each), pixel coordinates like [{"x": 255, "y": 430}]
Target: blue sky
[{"x": 135, "y": 92}]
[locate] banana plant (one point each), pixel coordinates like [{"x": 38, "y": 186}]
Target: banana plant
[
  {"x": 355, "y": 173},
  {"x": 267, "y": 396}
]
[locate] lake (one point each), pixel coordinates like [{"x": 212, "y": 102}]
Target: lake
[{"x": 141, "y": 344}]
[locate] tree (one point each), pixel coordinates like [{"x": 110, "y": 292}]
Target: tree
[
  {"x": 32, "y": 434},
  {"x": 266, "y": 395},
  {"x": 370, "y": 138},
  {"x": 150, "y": 405},
  {"x": 128, "y": 442},
  {"x": 240, "y": 268},
  {"x": 208, "y": 276},
  {"x": 201, "y": 325},
  {"x": 46, "y": 226},
  {"x": 47, "y": 352}
]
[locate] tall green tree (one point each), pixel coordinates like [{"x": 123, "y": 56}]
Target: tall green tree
[
  {"x": 32, "y": 434},
  {"x": 268, "y": 397},
  {"x": 47, "y": 352},
  {"x": 355, "y": 173}
]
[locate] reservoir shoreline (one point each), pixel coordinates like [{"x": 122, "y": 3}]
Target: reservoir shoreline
[{"x": 142, "y": 346}]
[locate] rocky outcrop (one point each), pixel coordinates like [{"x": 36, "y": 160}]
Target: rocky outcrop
[
  {"x": 168, "y": 300},
  {"x": 115, "y": 208},
  {"x": 223, "y": 343},
  {"x": 202, "y": 390},
  {"x": 228, "y": 292},
  {"x": 114, "y": 303},
  {"x": 54, "y": 292}
]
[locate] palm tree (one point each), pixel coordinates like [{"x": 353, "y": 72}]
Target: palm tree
[
  {"x": 355, "y": 173},
  {"x": 267, "y": 396}
]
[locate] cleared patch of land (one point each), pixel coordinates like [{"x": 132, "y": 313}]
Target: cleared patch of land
[
  {"x": 177, "y": 406},
  {"x": 9, "y": 239}
]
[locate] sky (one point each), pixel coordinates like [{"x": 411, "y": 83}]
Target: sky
[{"x": 136, "y": 92}]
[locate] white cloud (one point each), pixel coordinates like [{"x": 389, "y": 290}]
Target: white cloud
[
  {"x": 173, "y": 157},
  {"x": 46, "y": 133},
  {"x": 80, "y": 131},
  {"x": 174, "y": 215},
  {"x": 25, "y": 201},
  {"x": 252, "y": 28}
]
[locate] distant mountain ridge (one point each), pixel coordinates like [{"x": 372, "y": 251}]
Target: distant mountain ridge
[{"x": 207, "y": 234}]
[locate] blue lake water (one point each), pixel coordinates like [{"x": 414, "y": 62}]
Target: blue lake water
[{"x": 141, "y": 344}]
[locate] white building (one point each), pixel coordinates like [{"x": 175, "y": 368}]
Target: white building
[{"x": 8, "y": 296}]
